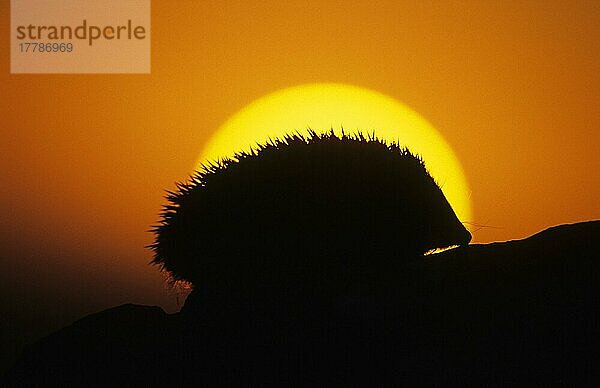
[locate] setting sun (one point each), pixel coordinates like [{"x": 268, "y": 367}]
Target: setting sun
[{"x": 322, "y": 107}]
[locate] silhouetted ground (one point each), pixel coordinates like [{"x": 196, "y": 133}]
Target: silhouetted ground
[
  {"x": 515, "y": 313},
  {"x": 306, "y": 258}
]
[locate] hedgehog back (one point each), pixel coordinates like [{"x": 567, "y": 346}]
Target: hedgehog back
[{"x": 304, "y": 205}]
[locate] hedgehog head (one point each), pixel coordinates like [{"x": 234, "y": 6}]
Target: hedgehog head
[{"x": 303, "y": 204}]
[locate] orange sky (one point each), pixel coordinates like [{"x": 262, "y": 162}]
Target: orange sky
[{"x": 515, "y": 90}]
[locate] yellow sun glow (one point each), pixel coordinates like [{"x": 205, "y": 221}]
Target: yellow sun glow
[{"x": 322, "y": 107}]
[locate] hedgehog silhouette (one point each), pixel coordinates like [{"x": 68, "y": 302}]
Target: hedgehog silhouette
[{"x": 302, "y": 205}]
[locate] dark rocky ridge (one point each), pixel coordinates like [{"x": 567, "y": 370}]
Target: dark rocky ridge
[{"x": 521, "y": 312}]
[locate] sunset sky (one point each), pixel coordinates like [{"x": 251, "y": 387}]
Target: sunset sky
[{"x": 513, "y": 88}]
